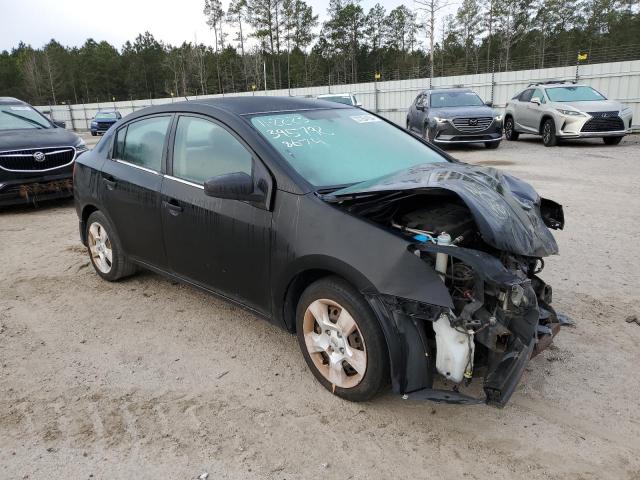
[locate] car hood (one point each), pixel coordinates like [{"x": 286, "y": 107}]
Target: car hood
[
  {"x": 506, "y": 210},
  {"x": 453, "y": 112},
  {"x": 598, "y": 106},
  {"x": 23, "y": 139},
  {"x": 105, "y": 120}
]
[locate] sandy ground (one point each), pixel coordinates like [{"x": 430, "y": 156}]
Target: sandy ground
[{"x": 148, "y": 379}]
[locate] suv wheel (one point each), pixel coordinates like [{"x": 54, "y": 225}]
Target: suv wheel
[
  {"x": 104, "y": 249},
  {"x": 341, "y": 340},
  {"x": 510, "y": 130},
  {"x": 549, "y": 133},
  {"x": 612, "y": 140}
]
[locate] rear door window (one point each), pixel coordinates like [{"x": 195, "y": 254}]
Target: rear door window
[
  {"x": 204, "y": 149},
  {"x": 526, "y": 95},
  {"x": 143, "y": 142}
]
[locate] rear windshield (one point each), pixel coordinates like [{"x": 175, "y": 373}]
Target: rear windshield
[
  {"x": 574, "y": 94},
  {"x": 455, "y": 99},
  {"x": 14, "y": 117},
  {"x": 338, "y": 99},
  {"x": 342, "y": 146}
]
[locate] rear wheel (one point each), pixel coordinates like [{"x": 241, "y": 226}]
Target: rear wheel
[
  {"x": 492, "y": 145},
  {"x": 549, "y": 133},
  {"x": 509, "y": 130},
  {"x": 104, "y": 249},
  {"x": 612, "y": 140},
  {"x": 341, "y": 340}
]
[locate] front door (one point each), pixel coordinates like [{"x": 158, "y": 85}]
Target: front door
[
  {"x": 130, "y": 187},
  {"x": 218, "y": 243}
]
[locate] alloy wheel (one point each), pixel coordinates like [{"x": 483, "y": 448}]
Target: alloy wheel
[
  {"x": 508, "y": 128},
  {"x": 546, "y": 132},
  {"x": 335, "y": 343},
  {"x": 100, "y": 248}
]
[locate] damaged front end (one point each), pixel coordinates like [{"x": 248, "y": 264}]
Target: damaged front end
[{"x": 485, "y": 234}]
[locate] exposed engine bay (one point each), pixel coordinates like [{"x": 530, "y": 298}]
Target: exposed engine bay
[{"x": 500, "y": 313}]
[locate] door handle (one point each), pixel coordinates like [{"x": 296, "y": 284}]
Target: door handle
[
  {"x": 110, "y": 183},
  {"x": 172, "y": 206}
]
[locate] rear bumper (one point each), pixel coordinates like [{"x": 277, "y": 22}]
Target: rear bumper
[{"x": 36, "y": 189}]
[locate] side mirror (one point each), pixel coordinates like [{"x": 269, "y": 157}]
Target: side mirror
[
  {"x": 489, "y": 104},
  {"x": 536, "y": 100},
  {"x": 60, "y": 123},
  {"x": 234, "y": 186},
  {"x": 420, "y": 107}
]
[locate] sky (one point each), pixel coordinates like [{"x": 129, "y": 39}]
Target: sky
[{"x": 71, "y": 22}]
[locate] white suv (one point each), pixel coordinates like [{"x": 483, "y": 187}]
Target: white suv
[{"x": 557, "y": 110}]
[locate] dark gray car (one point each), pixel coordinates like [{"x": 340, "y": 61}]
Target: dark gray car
[{"x": 455, "y": 115}]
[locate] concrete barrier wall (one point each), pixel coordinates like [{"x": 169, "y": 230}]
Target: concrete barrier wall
[{"x": 617, "y": 81}]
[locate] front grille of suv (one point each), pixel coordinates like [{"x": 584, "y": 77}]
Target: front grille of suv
[
  {"x": 25, "y": 160},
  {"x": 472, "y": 124},
  {"x": 603, "y": 122}
]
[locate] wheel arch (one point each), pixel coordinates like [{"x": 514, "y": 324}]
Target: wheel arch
[
  {"x": 87, "y": 210},
  {"x": 544, "y": 118},
  {"x": 308, "y": 270}
]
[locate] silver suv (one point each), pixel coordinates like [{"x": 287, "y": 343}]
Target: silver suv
[{"x": 558, "y": 110}]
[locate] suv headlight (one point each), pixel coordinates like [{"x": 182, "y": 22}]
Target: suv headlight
[
  {"x": 498, "y": 118},
  {"x": 441, "y": 119},
  {"x": 571, "y": 113},
  {"x": 626, "y": 111}
]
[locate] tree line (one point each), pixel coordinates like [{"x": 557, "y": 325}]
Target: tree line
[{"x": 275, "y": 44}]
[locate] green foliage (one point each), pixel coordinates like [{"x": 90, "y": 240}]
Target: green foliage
[{"x": 281, "y": 38}]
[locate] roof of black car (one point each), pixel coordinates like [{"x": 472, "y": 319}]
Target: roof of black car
[
  {"x": 265, "y": 104},
  {"x": 10, "y": 101}
]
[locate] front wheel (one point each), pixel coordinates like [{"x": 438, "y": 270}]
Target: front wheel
[
  {"x": 612, "y": 140},
  {"x": 510, "y": 130},
  {"x": 105, "y": 252},
  {"x": 341, "y": 340},
  {"x": 549, "y": 133},
  {"x": 492, "y": 145}
]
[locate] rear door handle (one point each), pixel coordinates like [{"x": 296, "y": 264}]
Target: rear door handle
[
  {"x": 173, "y": 207},
  {"x": 111, "y": 184}
]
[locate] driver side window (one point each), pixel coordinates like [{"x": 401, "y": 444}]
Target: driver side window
[
  {"x": 538, "y": 93},
  {"x": 526, "y": 95},
  {"x": 420, "y": 100},
  {"x": 204, "y": 149}
]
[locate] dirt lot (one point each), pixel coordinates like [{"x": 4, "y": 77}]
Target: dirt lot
[{"x": 148, "y": 379}]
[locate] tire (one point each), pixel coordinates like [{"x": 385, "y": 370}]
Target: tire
[
  {"x": 102, "y": 242},
  {"x": 549, "y": 138},
  {"x": 328, "y": 355},
  {"x": 93, "y": 134},
  {"x": 492, "y": 145},
  {"x": 510, "y": 129},
  {"x": 612, "y": 140}
]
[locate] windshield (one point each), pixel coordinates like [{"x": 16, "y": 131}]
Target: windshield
[
  {"x": 13, "y": 117},
  {"x": 106, "y": 116},
  {"x": 455, "y": 99},
  {"x": 574, "y": 94},
  {"x": 342, "y": 146},
  {"x": 338, "y": 99}
]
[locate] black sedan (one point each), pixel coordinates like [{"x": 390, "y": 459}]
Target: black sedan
[
  {"x": 390, "y": 260},
  {"x": 36, "y": 155},
  {"x": 453, "y": 116}
]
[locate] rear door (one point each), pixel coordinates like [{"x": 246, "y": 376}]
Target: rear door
[
  {"x": 221, "y": 244},
  {"x": 520, "y": 107},
  {"x": 130, "y": 187}
]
